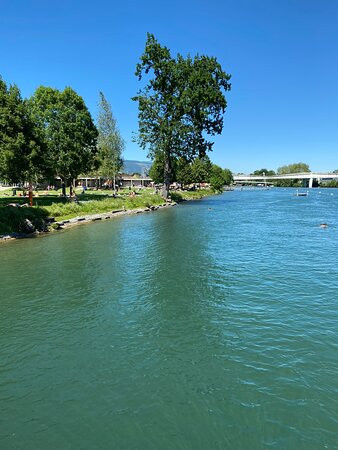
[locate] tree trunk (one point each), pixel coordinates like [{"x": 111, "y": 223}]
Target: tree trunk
[
  {"x": 167, "y": 175},
  {"x": 30, "y": 194},
  {"x": 71, "y": 189},
  {"x": 63, "y": 186},
  {"x": 114, "y": 184}
]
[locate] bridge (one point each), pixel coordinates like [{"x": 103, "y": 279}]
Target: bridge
[{"x": 306, "y": 176}]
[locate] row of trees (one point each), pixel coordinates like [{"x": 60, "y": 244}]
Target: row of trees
[
  {"x": 264, "y": 172},
  {"x": 200, "y": 170},
  {"x": 287, "y": 169},
  {"x": 290, "y": 168},
  {"x": 53, "y": 134}
]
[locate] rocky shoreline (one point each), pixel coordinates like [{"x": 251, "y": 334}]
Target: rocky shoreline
[{"x": 54, "y": 226}]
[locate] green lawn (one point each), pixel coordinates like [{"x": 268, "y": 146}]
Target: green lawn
[
  {"x": 96, "y": 203},
  {"x": 51, "y": 204},
  {"x": 178, "y": 196}
]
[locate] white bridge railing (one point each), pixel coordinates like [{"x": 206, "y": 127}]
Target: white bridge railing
[{"x": 319, "y": 176}]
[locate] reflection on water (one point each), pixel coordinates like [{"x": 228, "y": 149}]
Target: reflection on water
[{"x": 209, "y": 325}]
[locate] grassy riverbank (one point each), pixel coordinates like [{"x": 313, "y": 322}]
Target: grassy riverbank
[
  {"x": 179, "y": 196},
  {"x": 13, "y": 219}
]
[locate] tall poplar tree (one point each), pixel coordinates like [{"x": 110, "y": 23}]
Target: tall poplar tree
[
  {"x": 182, "y": 102},
  {"x": 110, "y": 142}
]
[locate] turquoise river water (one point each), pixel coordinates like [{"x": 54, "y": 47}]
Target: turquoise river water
[{"x": 210, "y": 325}]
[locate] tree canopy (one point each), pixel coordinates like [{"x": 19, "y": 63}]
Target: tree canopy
[
  {"x": 219, "y": 178},
  {"x": 23, "y": 155},
  {"x": 180, "y": 105},
  {"x": 201, "y": 169},
  {"x": 228, "y": 178},
  {"x": 68, "y": 129},
  {"x": 264, "y": 172},
  {"x": 157, "y": 169},
  {"x": 184, "y": 172},
  {"x": 293, "y": 168},
  {"x": 110, "y": 142}
]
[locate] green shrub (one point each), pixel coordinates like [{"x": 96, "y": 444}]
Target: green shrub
[
  {"x": 12, "y": 219},
  {"x": 330, "y": 184}
]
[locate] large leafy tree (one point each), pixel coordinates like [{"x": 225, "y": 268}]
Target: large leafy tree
[
  {"x": 201, "y": 169},
  {"x": 23, "y": 156},
  {"x": 217, "y": 178},
  {"x": 184, "y": 173},
  {"x": 69, "y": 131},
  {"x": 181, "y": 103},
  {"x": 110, "y": 142},
  {"x": 228, "y": 178},
  {"x": 157, "y": 169},
  {"x": 220, "y": 178},
  {"x": 264, "y": 172},
  {"x": 293, "y": 168}
]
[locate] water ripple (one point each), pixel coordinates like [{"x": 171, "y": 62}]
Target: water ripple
[{"x": 209, "y": 325}]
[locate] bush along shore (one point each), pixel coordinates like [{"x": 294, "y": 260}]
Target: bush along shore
[{"x": 53, "y": 213}]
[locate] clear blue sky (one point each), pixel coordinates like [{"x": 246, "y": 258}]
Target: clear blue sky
[{"x": 283, "y": 57}]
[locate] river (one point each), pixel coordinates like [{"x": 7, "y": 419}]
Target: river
[{"x": 209, "y": 325}]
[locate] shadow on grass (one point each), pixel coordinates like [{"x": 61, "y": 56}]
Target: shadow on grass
[{"x": 49, "y": 199}]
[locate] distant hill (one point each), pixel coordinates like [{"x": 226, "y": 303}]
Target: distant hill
[{"x": 141, "y": 167}]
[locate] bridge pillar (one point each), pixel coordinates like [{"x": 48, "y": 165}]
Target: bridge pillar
[{"x": 310, "y": 182}]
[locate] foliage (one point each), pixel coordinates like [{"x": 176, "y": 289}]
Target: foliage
[
  {"x": 22, "y": 150},
  {"x": 220, "y": 178},
  {"x": 330, "y": 184},
  {"x": 201, "y": 170},
  {"x": 12, "y": 219},
  {"x": 264, "y": 172},
  {"x": 179, "y": 196},
  {"x": 293, "y": 168},
  {"x": 184, "y": 173},
  {"x": 68, "y": 130},
  {"x": 217, "y": 178},
  {"x": 110, "y": 142},
  {"x": 91, "y": 205},
  {"x": 156, "y": 171},
  {"x": 289, "y": 183},
  {"x": 182, "y": 103},
  {"x": 228, "y": 178}
]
